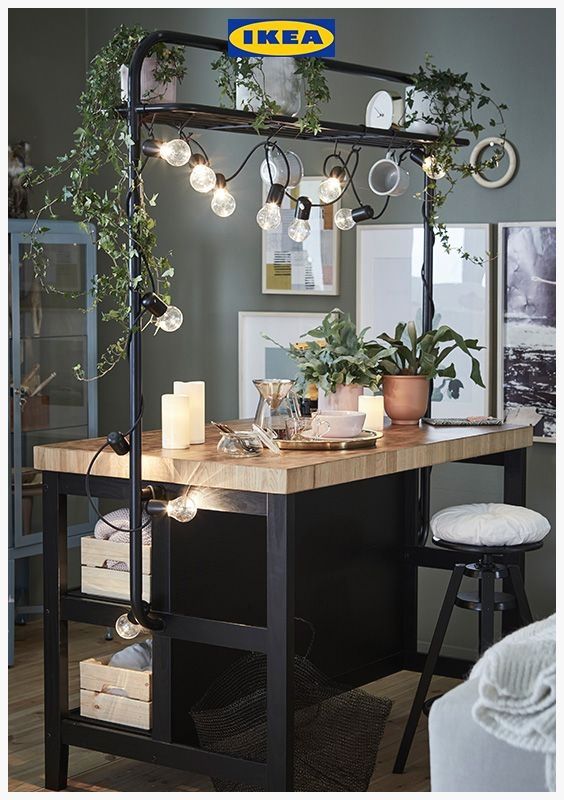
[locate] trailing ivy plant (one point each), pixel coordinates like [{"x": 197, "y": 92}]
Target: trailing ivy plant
[
  {"x": 453, "y": 105},
  {"x": 100, "y": 142},
  {"x": 249, "y": 74},
  {"x": 337, "y": 355},
  {"x": 406, "y": 353}
]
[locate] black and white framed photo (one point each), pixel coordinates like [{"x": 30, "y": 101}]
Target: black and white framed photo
[
  {"x": 527, "y": 326},
  {"x": 310, "y": 267},
  {"x": 389, "y": 290}
]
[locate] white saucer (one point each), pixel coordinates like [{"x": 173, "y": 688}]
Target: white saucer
[{"x": 310, "y": 435}]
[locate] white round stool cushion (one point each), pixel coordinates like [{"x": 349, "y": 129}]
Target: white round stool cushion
[{"x": 489, "y": 525}]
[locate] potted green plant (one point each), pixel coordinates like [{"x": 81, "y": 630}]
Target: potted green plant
[
  {"x": 407, "y": 362},
  {"x": 338, "y": 360},
  {"x": 101, "y": 142},
  {"x": 448, "y": 105},
  {"x": 273, "y": 86}
]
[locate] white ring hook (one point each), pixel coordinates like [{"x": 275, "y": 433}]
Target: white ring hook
[{"x": 511, "y": 167}]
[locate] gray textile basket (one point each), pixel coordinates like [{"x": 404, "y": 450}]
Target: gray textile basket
[{"x": 337, "y": 730}]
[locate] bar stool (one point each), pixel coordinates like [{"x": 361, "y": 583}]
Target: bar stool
[{"x": 480, "y": 532}]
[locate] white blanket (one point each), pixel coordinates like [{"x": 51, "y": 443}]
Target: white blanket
[{"x": 517, "y": 691}]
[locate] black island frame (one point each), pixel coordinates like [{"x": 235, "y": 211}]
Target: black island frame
[{"x": 271, "y": 629}]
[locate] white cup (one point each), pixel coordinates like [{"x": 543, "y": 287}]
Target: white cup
[
  {"x": 337, "y": 424},
  {"x": 388, "y": 178}
]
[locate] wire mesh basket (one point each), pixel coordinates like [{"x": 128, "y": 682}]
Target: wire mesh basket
[{"x": 337, "y": 730}]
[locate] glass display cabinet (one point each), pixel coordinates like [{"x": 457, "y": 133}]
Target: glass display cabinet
[{"x": 49, "y": 332}]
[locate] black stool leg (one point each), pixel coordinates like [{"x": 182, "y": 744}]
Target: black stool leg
[
  {"x": 518, "y": 587},
  {"x": 487, "y": 600},
  {"x": 429, "y": 668}
]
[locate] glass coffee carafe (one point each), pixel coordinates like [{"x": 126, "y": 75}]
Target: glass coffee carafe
[{"x": 278, "y": 410}]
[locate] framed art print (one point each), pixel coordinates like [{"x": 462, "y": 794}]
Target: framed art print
[
  {"x": 310, "y": 267},
  {"x": 259, "y": 358},
  {"x": 390, "y": 290},
  {"x": 527, "y": 326}
]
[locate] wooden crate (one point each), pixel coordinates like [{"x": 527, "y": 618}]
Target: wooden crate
[
  {"x": 98, "y": 580},
  {"x": 132, "y": 706}
]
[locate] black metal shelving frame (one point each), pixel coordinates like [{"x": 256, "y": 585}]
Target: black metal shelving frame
[{"x": 64, "y": 727}]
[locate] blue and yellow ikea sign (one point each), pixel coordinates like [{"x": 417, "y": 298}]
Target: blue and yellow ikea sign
[{"x": 281, "y": 37}]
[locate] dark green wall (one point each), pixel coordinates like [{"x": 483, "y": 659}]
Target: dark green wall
[{"x": 218, "y": 261}]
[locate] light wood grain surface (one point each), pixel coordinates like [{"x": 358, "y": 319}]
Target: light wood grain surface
[
  {"x": 101, "y": 772},
  {"x": 401, "y": 448}
]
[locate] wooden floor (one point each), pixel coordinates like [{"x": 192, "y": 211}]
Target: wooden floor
[{"x": 90, "y": 771}]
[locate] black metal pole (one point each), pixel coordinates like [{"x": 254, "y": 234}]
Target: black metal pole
[
  {"x": 427, "y": 309},
  {"x": 135, "y": 200}
]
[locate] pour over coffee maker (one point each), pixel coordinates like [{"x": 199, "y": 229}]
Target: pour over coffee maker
[{"x": 278, "y": 409}]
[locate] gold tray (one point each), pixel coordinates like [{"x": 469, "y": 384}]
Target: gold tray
[{"x": 366, "y": 439}]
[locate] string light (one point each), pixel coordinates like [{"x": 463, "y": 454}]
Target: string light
[
  {"x": 176, "y": 152},
  {"x": 126, "y": 628},
  {"x": 223, "y": 203},
  {"x": 331, "y": 187},
  {"x": 202, "y": 177},
  {"x": 300, "y": 228},
  {"x": 167, "y": 318},
  {"x": 182, "y": 508},
  {"x": 346, "y": 218},
  {"x": 269, "y": 217}
]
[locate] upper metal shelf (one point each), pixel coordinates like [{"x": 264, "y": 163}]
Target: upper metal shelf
[{"x": 232, "y": 121}]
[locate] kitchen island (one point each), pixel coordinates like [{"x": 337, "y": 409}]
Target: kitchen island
[{"x": 330, "y": 538}]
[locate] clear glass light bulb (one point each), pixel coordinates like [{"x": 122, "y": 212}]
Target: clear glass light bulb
[
  {"x": 269, "y": 217},
  {"x": 202, "y": 178},
  {"x": 299, "y": 230},
  {"x": 223, "y": 203},
  {"x": 127, "y": 629},
  {"x": 171, "y": 320},
  {"x": 177, "y": 152},
  {"x": 344, "y": 219},
  {"x": 182, "y": 508},
  {"x": 433, "y": 168},
  {"x": 329, "y": 190}
]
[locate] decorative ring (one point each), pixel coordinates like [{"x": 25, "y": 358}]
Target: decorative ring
[{"x": 511, "y": 167}]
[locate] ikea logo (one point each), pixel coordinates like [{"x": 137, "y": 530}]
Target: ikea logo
[{"x": 281, "y": 37}]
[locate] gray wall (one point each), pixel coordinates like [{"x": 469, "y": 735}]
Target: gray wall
[{"x": 218, "y": 261}]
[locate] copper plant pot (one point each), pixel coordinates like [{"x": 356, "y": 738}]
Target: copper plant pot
[{"x": 405, "y": 398}]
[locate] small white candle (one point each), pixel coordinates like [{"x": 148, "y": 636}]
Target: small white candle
[
  {"x": 373, "y": 407},
  {"x": 196, "y": 391},
  {"x": 175, "y": 422}
]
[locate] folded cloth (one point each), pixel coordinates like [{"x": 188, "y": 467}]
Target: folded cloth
[
  {"x": 136, "y": 656},
  {"x": 120, "y": 519},
  {"x": 517, "y": 691}
]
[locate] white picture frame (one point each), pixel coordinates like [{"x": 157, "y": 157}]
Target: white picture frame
[
  {"x": 391, "y": 257},
  {"x": 525, "y": 336},
  {"x": 310, "y": 267},
  {"x": 258, "y": 357}
]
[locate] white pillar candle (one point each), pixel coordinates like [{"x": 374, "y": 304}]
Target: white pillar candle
[
  {"x": 175, "y": 421},
  {"x": 373, "y": 406},
  {"x": 196, "y": 391}
]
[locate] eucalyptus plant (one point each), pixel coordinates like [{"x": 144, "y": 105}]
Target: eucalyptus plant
[
  {"x": 336, "y": 355},
  {"x": 101, "y": 142},
  {"x": 454, "y": 103},
  {"x": 248, "y": 73},
  {"x": 406, "y": 353}
]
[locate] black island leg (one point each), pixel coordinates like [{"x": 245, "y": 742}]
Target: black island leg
[
  {"x": 515, "y": 494},
  {"x": 55, "y": 630},
  {"x": 280, "y": 642}
]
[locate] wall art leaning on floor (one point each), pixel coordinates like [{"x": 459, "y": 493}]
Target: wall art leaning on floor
[{"x": 527, "y": 326}]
